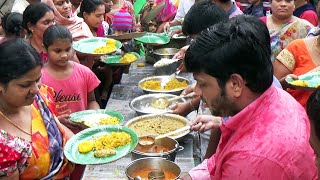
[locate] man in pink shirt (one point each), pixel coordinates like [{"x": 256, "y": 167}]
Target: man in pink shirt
[{"x": 265, "y": 132}]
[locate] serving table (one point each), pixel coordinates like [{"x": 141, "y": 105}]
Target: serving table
[{"x": 119, "y": 100}]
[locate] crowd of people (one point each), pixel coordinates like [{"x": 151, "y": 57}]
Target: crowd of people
[{"x": 259, "y": 127}]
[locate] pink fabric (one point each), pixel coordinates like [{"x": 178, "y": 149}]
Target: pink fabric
[
  {"x": 310, "y": 16},
  {"x": 264, "y": 19},
  {"x": 167, "y": 12},
  {"x": 71, "y": 94},
  {"x": 78, "y": 28},
  {"x": 268, "y": 139},
  {"x": 100, "y": 31}
]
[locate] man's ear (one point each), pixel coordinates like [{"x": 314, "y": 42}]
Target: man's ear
[{"x": 237, "y": 83}]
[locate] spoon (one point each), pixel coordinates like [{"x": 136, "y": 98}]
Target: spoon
[
  {"x": 149, "y": 141},
  {"x": 163, "y": 102},
  {"x": 172, "y": 76},
  {"x": 187, "y": 127},
  {"x": 146, "y": 141}
]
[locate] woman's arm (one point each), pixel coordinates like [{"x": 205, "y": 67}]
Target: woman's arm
[
  {"x": 280, "y": 71},
  {"x": 67, "y": 131},
  {"x": 92, "y": 103}
]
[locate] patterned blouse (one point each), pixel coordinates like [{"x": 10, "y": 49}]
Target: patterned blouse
[{"x": 14, "y": 153}]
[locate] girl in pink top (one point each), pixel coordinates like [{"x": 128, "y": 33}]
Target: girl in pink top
[{"x": 73, "y": 83}]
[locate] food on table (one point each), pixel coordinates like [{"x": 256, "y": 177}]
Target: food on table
[
  {"x": 85, "y": 146},
  {"x": 106, "y": 144},
  {"x": 144, "y": 173},
  {"x": 171, "y": 85},
  {"x": 108, "y": 48},
  {"x": 128, "y": 58},
  {"x": 94, "y": 120},
  {"x": 156, "y": 125},
  {"x": 104, "y": 153},
  {"x": 151, "y": 84},
  {"x": 140, "y": 64},
  {"x": 299, "y": 83}
]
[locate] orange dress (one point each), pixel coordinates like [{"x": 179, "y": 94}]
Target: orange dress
[
  {"x": 40, "y": 162},
  {"x": 298, "y": 60}
]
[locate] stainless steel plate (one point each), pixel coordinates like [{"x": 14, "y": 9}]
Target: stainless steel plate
[
  {"x": 163, "y": 78},
  {"x": 142, "y": 104}
]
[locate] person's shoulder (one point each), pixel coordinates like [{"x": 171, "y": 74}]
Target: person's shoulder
[
  {"x": 83, "y": 70},
  {"x": 303, "y": 23}
]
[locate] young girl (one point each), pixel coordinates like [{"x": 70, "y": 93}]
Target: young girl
[
  {"x": 92, "y": 11},
  {"x": 73, "y": 83}
]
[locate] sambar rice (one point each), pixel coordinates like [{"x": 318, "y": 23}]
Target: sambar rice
[{"x": 155, "y": 126}]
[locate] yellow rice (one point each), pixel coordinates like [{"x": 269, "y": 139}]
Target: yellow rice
[
  {"x": 113, "y": 140},
  {"x": 171, "y": 85}
]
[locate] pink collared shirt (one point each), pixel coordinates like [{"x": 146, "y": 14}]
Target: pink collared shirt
[{"x": 269, "y": 139}]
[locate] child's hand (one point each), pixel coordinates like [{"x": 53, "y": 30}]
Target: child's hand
[
  {"x": 65, "y": 120},
  {"x": 138, "y": 27}
]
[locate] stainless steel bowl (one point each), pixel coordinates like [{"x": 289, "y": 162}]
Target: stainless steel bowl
[
  {"x": 142, "y": 104},
  {"x": 152, "y": 163},
  {"x": 167, "y": 142},
  {"x": 167, "y": 70},
  {"x": 161, "y": 79},
  {"x": 172, "y": 117}
]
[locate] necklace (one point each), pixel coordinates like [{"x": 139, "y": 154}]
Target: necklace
[{"x": 14, "y": 123}]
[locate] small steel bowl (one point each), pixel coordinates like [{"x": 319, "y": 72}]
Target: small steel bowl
[
  {"x": 163, "y": 78},
  {"x": 152, "y": 163},
  {"x": 142, "y": 104}
]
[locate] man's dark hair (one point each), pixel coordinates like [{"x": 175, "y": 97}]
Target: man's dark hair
[
  {"x": 240, "y": 46},
  {"x": 313, "y": 111},
  {"x": 201, "y": 16}
]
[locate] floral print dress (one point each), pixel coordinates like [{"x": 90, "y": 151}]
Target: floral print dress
[{"x": 14, "y": 153}]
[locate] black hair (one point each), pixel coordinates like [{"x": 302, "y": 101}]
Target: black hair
[
  {"x": 12, "y": 24},
  {"x": 33, "y": 13},
  {"x": 224, "y": 1},
  {"x": 240, "y": 46},
  {"x": 201, "y": 16},
  {"x": 89, "y": 6},
  {"x": 55, "y": 32},
  {"x": 17, "y": 57},
  {"x": 313, "y": 110}
]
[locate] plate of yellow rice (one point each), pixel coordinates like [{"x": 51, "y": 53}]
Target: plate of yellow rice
[
  {"x": 94, "y": 118},
  {"x": 174, "y": 86},
  {"x": 308, "y": 81},
  {"x": 97, "y": 46},
  {"x": 119, "y": 60},
  {"x": 100, "y": 145}
]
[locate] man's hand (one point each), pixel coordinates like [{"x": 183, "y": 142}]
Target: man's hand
[{"x": 208, "y": 122}]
